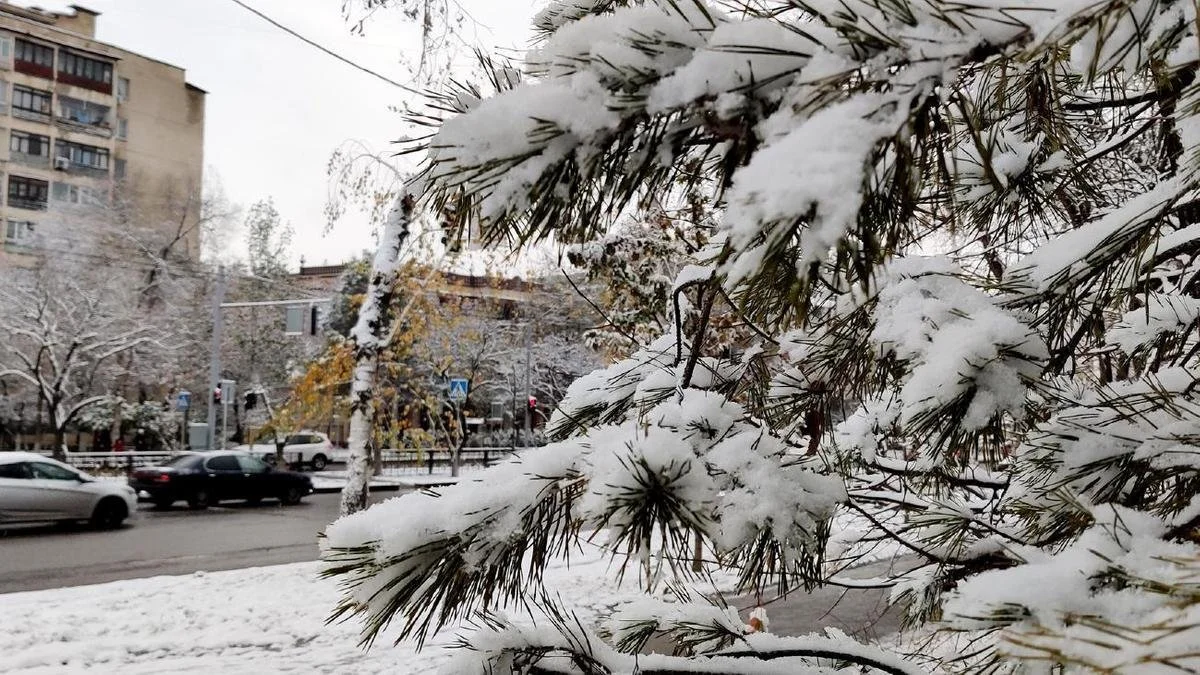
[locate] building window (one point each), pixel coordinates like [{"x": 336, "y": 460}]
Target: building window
[
  {"x": 19, "y": 232},
  {"x": 122, "y": 88},
  {"x": 29, "y": 144},
  {"x": 76, "y": 194},
  {"x": 82, "y": 112},
  {"x": 85, "y": 72},
  {"x": 28, "y": 193},
  {"x": 31, "y": 100},
  {"x": 34, "y": 53},
  {"x": 119, "y": 169},
  {"x": 86, "y": 156},
  {"x": 122, "y": 128},
  {"x": 294, "y": 321}
]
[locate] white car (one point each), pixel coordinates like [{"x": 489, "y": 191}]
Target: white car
[
  {"x": 35, "y": 488},
  {"x": 303, "y": 447}
]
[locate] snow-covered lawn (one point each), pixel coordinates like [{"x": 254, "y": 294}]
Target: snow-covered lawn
[{"x": 258, "y": 620}]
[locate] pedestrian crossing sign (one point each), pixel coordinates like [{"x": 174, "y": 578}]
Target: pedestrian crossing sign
[{"x": 458, "y": 388}]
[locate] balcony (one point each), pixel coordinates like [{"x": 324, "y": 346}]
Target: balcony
[
  {"x": 33, "y": 161},
  {"x": 27, "y": 203},
  {"x": 31, "y": 115},
  {"x": 84, "y": 82},
  {"x": 35, "y": 69},
  {"x": 83, "y": 117},
  {"x": 101, "y": 130},
  {"x": 86, "y": 171},
  {"x": 21, "y": 234}
]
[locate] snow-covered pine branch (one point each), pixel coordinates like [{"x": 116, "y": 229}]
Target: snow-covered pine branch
[{"x": 961, "y": 239}]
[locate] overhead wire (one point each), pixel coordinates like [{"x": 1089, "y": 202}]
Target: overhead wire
[{"x": 326, "y": 50}]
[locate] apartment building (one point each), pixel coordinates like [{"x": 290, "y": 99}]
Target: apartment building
[{"x": 93, "y": 130}]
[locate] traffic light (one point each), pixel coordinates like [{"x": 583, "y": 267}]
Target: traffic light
[
  {"x": 532, "y": 402},
  {"x": 217, "y": 396},
  {"x": 251, "y": 400}
]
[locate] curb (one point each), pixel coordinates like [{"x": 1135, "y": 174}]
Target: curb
[{"x": 383, "y": 487}]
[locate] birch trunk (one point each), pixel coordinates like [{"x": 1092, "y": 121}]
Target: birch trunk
[{"x": 370, "y": 335}]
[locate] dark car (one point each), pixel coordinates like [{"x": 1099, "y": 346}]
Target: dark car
[{"x": 206, "y": 478}]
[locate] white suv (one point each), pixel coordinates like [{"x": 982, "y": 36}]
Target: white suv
[{"x": 299, "y": 448}]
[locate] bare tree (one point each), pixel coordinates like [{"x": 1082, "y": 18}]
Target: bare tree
[{"x": 61, "y": 336}]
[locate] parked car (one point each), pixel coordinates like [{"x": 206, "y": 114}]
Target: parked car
[
  {"x": 35, "y": 488},
  {"x": 205, "y": 478},
  {"x": 303, "y": 447}
]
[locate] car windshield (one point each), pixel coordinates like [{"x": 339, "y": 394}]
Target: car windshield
[
  {"x": 184, "y": 462},
  {"x": 251, "y": 464},
  {"x": 47, "y": 471}
]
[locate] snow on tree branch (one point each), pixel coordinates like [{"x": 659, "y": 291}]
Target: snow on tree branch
[{"x": 949, "y": 294}]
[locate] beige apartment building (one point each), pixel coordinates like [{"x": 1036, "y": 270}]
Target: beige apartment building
[{"x": 93, "y": 131}]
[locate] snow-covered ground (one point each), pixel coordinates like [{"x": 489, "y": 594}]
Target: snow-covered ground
[{"x": 257, "y": 620}]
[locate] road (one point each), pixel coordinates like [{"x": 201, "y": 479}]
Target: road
[
  {"x": 174, "y": 541},
  {"x": 237, "y": 535},
  {"x": 862, "y": 613}
]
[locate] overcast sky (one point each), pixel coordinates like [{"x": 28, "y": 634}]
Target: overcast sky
[{"x": 277, "y": 108}]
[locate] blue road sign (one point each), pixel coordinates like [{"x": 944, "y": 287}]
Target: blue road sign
[
  {"x": 458, "y": 388},
  {"x": 183, "y": 400}
]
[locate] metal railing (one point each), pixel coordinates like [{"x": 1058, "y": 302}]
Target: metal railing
[
  {"x": 127, "y": 461},
  {"x": 412, "y": 461}
]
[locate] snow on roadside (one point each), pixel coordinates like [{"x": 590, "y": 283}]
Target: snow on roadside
[{"x": 257, "y": 620}]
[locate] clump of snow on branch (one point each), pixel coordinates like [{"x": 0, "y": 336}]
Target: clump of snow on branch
[{"x": 955, "y": 340}]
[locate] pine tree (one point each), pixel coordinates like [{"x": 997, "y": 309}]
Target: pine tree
[{"x": 962, "y": 238}]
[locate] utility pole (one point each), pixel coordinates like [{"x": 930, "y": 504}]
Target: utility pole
[
  {"x": 214, "y": 368},
  {"x": 512, "y": 436},
  {"x": 528, "y": 387}
]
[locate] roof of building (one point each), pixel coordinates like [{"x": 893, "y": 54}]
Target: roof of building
[
  {"x": 322, "y": 270},
  {"x": 46, "y": 19}
]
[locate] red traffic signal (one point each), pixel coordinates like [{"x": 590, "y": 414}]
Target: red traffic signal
[
  {"x": 217, "y": 395},
  {"x": 532, "y": 402}
]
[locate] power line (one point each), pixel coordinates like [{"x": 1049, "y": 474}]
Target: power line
[{"x": 328, "y": 51}]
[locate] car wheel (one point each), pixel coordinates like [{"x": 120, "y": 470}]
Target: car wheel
[
  {"x": 200, "y": 499},
  {"x": 269, "y": 459},
  {"x": 109, "y": 514},
  {"x": 292, "y": 496},
  {"x": 319, "y": 462}
]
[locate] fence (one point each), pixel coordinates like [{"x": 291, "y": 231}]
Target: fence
[
  {"x": 115, "y": 461},
  {"x": 427, "y": 460},
  {"x": 411, "y": 461}
]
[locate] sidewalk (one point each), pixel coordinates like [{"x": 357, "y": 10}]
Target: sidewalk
[{"x": 241, "y": 622}]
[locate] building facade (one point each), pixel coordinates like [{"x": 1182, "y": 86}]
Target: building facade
[{"x": 95, "y": 133}]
